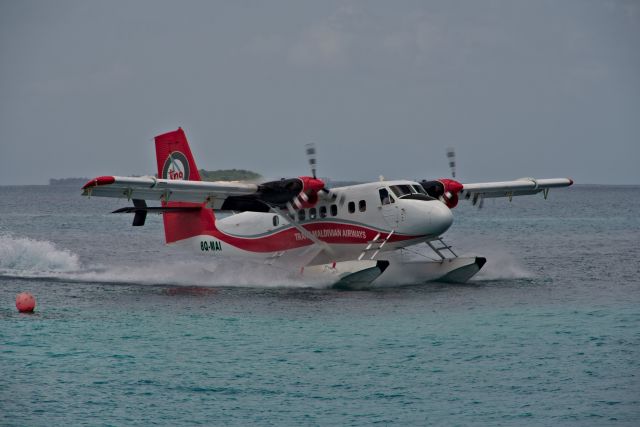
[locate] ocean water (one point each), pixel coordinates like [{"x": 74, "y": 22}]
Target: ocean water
[{"x": 128, "y": 331}]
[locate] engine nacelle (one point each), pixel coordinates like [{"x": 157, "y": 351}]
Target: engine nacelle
[
  {"x": 280, "y": 192},
  {"x": 308, "y": 197},
  {"x": 443, "y": 189}
]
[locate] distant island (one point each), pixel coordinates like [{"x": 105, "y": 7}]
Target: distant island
[
  {"x": 215, "y": 175},
  {"x": 229, "y": 175}
]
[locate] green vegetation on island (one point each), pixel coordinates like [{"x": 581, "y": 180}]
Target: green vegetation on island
[{"x": 229, "y": 175}]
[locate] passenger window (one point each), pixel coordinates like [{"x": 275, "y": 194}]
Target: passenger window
[
  {"x": 301, "y": 215},
  {"x": 276, "y": 221},
  {"x": 323, "y": 211},
  {"x": 312, "y": 213},
  {"x": 334, "y": 210},
  {"x": 362, "y": 205},
  {"x": 352, "y": 207},
  {"x": 384, "y": 196}
]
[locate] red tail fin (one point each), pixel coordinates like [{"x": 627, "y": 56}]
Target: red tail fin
[{"x": 175, "y": 161}]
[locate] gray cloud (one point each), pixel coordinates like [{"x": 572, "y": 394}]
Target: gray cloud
[{"x": 519, "y": 88}]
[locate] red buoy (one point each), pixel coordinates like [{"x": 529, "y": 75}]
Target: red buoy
[{"x": 25, "y": 302}]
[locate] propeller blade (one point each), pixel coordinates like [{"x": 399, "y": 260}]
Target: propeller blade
[
  {"x": 451, "y": 155},
  {"x": 311, "y": 156},
  {"x": 329, "y": 195},
  {"x": 292, "y": 211},
  {"x": 334, "y": 196}
]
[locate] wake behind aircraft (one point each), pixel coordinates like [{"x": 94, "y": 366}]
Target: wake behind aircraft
[{"x": 352, "y": 236}]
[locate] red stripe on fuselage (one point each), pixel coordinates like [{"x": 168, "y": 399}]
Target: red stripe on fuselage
[{"x": 292, "y": 238}]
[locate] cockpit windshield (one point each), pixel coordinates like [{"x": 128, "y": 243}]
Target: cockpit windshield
[
  {"x": 402, "y": 190},
  {"x": 419, "y": 189}
]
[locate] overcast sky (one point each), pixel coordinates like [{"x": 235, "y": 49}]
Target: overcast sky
[{"x": 519, "y": 88}]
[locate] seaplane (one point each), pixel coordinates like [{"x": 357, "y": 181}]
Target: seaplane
[{"x": 351, "y": 237}]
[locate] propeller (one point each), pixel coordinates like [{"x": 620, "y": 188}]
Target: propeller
[
  {"x": 445, "y": 189},
  {"x": 306, "y": 190},
  {"x": 295, "y": 193},
  {"x": 311, "y": 157},
  {"x": 478, "y": 199}
]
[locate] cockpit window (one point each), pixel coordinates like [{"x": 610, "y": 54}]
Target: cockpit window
[
  {"x": 419, "y": 189},
  {"x": 402, "y": 190},
  {"x": 384, "y": 196}
]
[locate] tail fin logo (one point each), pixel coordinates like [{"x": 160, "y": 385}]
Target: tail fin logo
[{"x": 176, "y": 166}]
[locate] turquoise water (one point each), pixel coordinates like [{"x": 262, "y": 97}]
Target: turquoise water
[{"x": 129, "y": 332}]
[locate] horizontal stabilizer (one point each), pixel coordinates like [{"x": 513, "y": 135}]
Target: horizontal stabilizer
[
  {"x": 140, "y": 209},
  {"x": 157, "y": 209}
]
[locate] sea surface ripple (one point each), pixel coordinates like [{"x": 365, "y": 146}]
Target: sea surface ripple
[{"x": 129, "y": 332}]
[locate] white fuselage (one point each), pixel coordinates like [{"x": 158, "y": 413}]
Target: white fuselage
[{"x": 392, "y": 214}]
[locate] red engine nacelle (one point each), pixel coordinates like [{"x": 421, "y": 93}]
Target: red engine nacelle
[
  {"x": 308, "y": 197},
  {"x": 444, "y": 189},
  {"x": 451, "y": 190}
]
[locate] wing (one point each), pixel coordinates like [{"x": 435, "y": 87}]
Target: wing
[
  {"x": 518, "y": 187},
  {"x": 214, "y": 194},
  {"x": 220, "y": 195}
]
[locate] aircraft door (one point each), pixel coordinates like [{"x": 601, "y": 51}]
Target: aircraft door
[{"x": 389, "y": 208}]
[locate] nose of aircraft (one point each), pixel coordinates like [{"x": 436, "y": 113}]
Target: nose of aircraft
[{"x": 440, "y": 217}]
